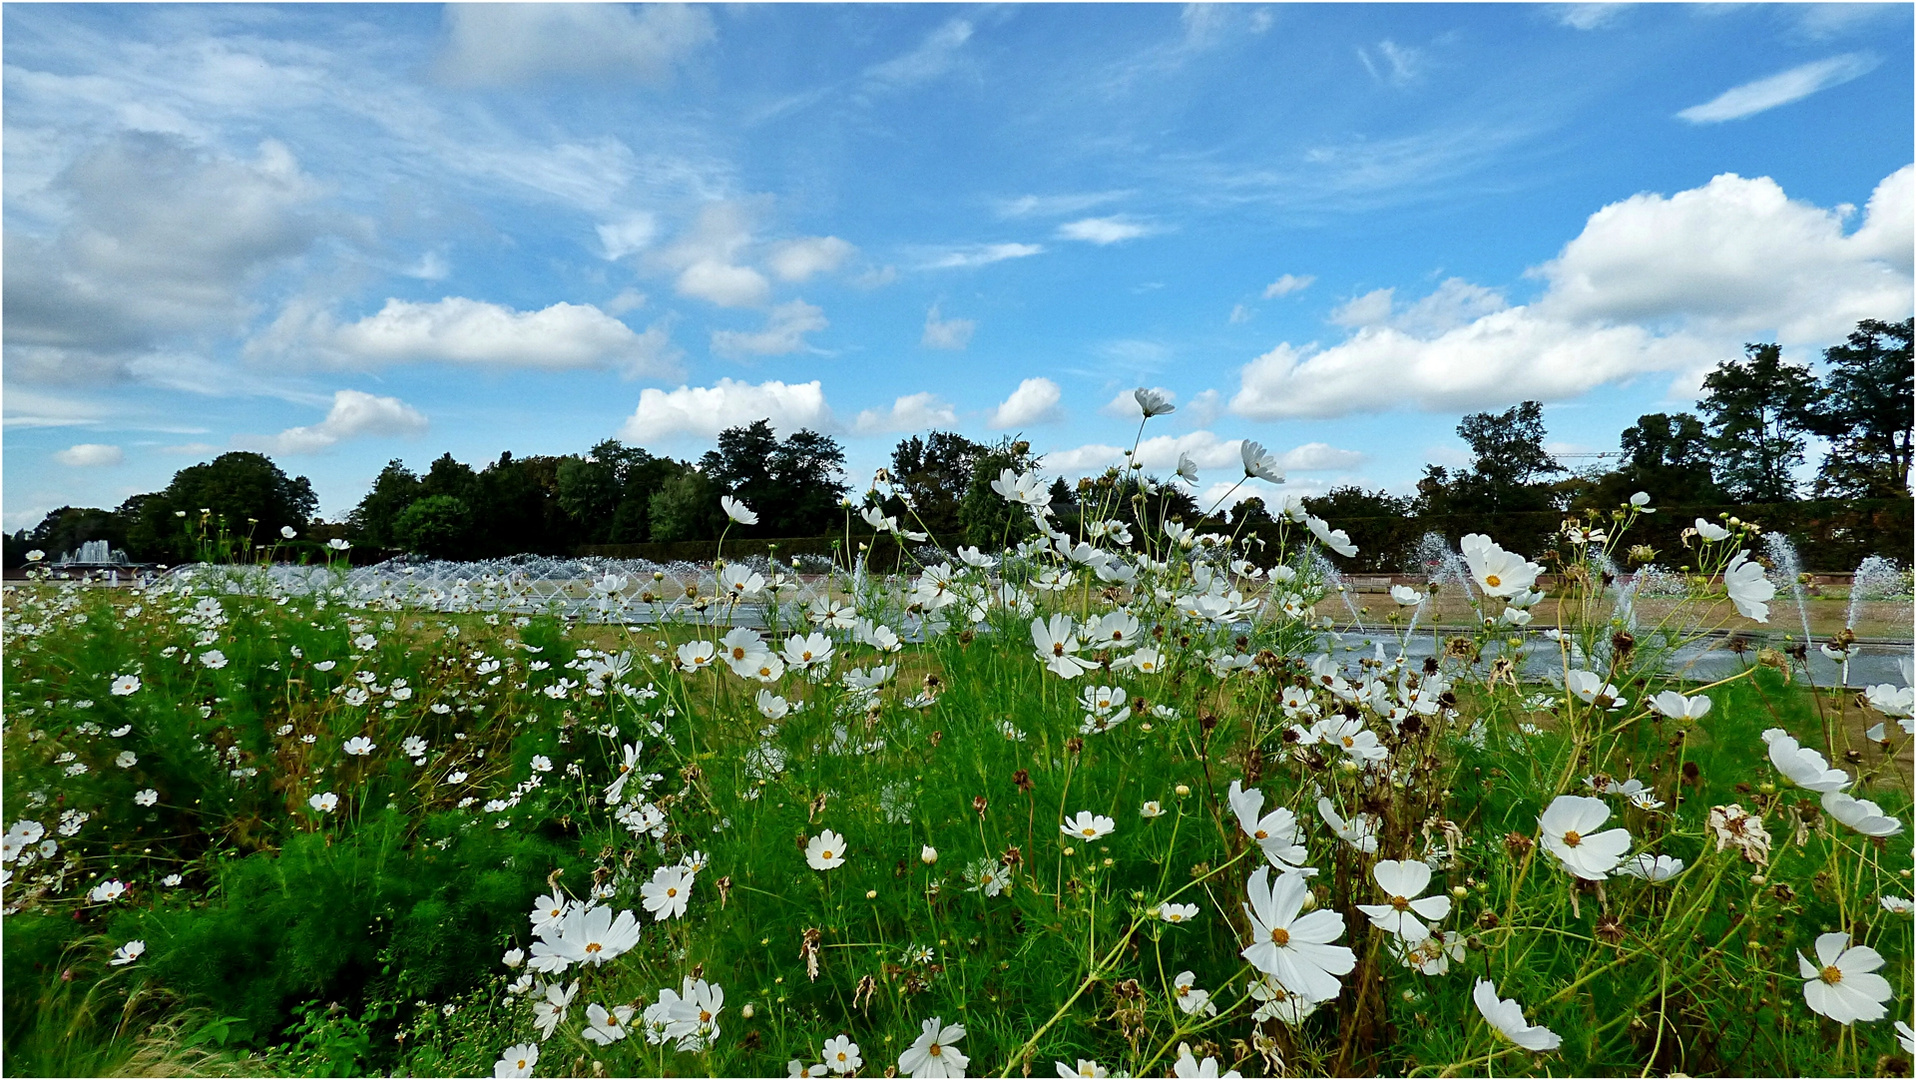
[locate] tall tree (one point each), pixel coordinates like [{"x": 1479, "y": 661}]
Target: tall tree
[
  {"x": 1757, "y": 408},
  {"x": 1508, "y": 466},
  {"x": 242, "y": 492},
  {"x": 1667, "y": 455},
  {"x": 936, "y": 471},
  {"x": 1864, "y": 410},
  {"x": 1350, "y": 501},
  {"x": 393, "y": 490},
  {"x": 793, "y": 486}
]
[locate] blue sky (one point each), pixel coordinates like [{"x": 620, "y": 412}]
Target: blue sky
[{"x": 343, "y": 234}]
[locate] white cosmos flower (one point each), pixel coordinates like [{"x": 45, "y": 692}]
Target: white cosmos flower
[
  {"x": 213, "y": 658},
  {"x": 1677, "y": 707},
  {"x": 1188, "y": 472},
  {"x": 1336, "y": 539},
  {"x": 737, "y": 511},
  {"x": 1651, "y": 869},
  {"x": 1153, "y": 402},
  {"x": 803, "y": 652},
  {"x": 1085, "y": 1068},
  {"x": 1087, "y": 826},
  {"x": 128, "y": 953},
  {"x": 841, "y": 1055},
  {"x": 547, "y": 1014},
  {"x": 145, "y": 797},
  {"x": 932, "y": 1054},
  {"x": 1431, "y": 956},
  {"x": 1506, "y": 1017},
  {"x": 667, "y": 894},
  {"x": 1404, "y": 883},
  {"x": 1592, "y": 690},
  {"x": 1025, "y": 489},
  {"x": 126, "y": 759},
  {"x": 1711, "y": 532},
  {"x": 358, "y": 746},
  {"x": 1803, "y": 766},
  {"x": 1057, "y": 647},
  {"x": 1896, "y": 702},
  {"x": 1860, "y": 814},
  {"x": 1843, "y": 984},
  {"x": 1292, "y": 946},
  {"x": 826, "y": 851},
  {"x": 107, "y": 891},
  {"x": 325, "y": 802},
  {"x": 1749, "y": 589},
  {"x": 697, "y": 655},
  {"x": 1190, "y": 999},
  {"x": 1359, "y": 832},
  {"x": 1275, "y": 832},
  {"x": 1259, "y": 463},
  {"x": 124, "y": 685},
  {"x": 1188, "y": 1067},
  {"x": 1568, "y": 825},
  {"x": 1177, "y": 913},
  {"x": 517, "y": 1061},
  {"x": 1499, "y": 572},
  {"x": 771, "y": 706},
  {"x": 604, "y": 1026},
  {"x": 1406, "y": 596}
]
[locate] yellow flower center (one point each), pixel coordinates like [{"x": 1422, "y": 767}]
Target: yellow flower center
[
  {"x": 936, "y": 1050},
  {"x": 1571, "y": 839},
  {"x": 704, "y": 1017},
  {"x": 671, "y": 891},
  {"x": 1089, "y": 832},
  {"x": 826, "y": 854},
  {"x": 1399, "y": 903},
  {"x": 1260, "y": 835},
  {"x": 594, "y": 947},
  {"x": 1057, "y": 649},
  {"x": 1492, "y": 580},
  {"x": 1832, "y": 975},
  {"x": 1280, "y": 936}
]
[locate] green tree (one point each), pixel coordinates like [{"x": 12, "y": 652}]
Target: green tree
[
  {"x": 436, "y": 526},
  {"x": 1864, "y": 409},
  {"x": 608, "y": 491},
  {"x": 242, "y": 492},
  {"x": 393, "y": 490},
  {"x": 1665, "y": 454},
  {"x": 62, "y": 531},
  {"x": 985, "y": 518},
  {"x": 684, "y": 507},
  {"x": 936, "y": 471},
  {"x": 1350, "y": 501},
  {"x": 1757, "y": 408},
  {"x": 1508, "y": 467},
  {"x": 793, "y": 486}
]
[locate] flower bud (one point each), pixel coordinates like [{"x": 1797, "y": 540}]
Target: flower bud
[{"x": 927, "y": 854}]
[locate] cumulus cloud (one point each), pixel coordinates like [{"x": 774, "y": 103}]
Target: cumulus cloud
[
  {"x": 969, "y": 255},
  {"x": 785, "y": 330},
  {"x": 797, "y": 260},
  {"x": 913, "y": 412},
  {"x": 159, "y": 240},
  {"x": 1780, "y": 89},
  {"x": 946, "y": 333},
  {"x": 89, "y": 455},
  {"x": 1102, "y": 231},
  {"x": 1320, "y": 457},
  {"x": 354, "y": 413},
  {"x": 1367, "y": 310},
  {"x": 458, "y": 330},
  {"x": 508, "y": 44},
  {"x": 704, "y": 411},
  {"x": 1288, "y": 284},
  {"x": 707, "y": 258},
  {"x": 1034, "y": 402},
  {"x": 1652, "y": 284}
]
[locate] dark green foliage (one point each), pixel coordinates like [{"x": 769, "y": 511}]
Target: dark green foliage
[
  {"x": 1507, "y": 470},
  {"x": 1864, "y": 409},
  {"x": 1350, "y": 501},
  {"x": 793, "y": 486},
  {"x": 936, "y": 470},
  {"x": 985, "y": 517},
  {"x": 242, "y": 494},
  {"x": 1757, "y": 407},
  {"x": 436, "y": 526},
  {"x": 685, "y": 508},
  {"x": 63, "y": 531}
]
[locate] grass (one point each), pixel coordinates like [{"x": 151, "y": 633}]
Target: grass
[{"x": 369, "y": 938}]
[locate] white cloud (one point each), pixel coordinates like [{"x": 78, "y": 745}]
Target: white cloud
[
  {"x": 462, "y": 331},
  {"x": 913, "y": 412},
  {"x": 1034, "y": 402},
  {"x": 505, "y": 44},
  {"x": 1240, "y": 314},
  {"x": 1400, "y": 65},
  {"x": 1288, "y": 284},
  {"x": 634, "y": 232},
  {"x": 1367, "y": 310},
  {"x": 1651, "y": 285},
  {"x": 354, "y": 413},
  {"x": 797, "y": 260},
  {"x": 707, "y": 258},
  {"x": 704, "y": 411},
  {"x": 1056, "y": 205},
  {"x": 1125, "y": 405},
  {"x": 1588, "y": 16},
  {"x": 785, "y": 330},
  {"x": 970, "y": 255},
  {"x": 89, "y": 455},
  {"x": 627, "y": 300},
  {"x": 1321, "y": 457},
  {"x": 946, "y": 333},
  {"x": 1104, "y": 230},
  {"x": 157, "y": 240},
  {"x": 1203, "y": 408},
  {"x": 1780, "y": 89},
  {"x": 933, "y": 57},
  {"x": 26, "y": 408}
]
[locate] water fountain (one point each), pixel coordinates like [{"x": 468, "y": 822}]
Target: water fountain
[
  {"x": 93, "y": 553},
  {"x": 1789, "y": 567},
  {"x": 1877, "y": 579},
  {"x": 1334, "y": 581}
]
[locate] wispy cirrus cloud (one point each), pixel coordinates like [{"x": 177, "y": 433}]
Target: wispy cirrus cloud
[
  {"x": 967, "y": 256},
  {"x": 1780, "y": 89}
]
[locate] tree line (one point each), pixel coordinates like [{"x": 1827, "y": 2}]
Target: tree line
[{"x": 1756, "y": 413}]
